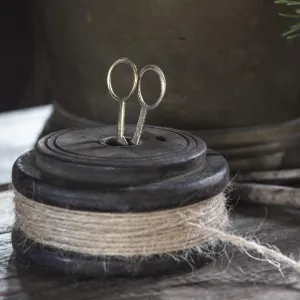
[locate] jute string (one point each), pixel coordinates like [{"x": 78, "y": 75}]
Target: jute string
[
  {"x": 137, "y": 234},
  {"x": 124, "y": 234}
]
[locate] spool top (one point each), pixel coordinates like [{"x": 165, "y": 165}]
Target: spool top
[{"x": 94, "y": 156}]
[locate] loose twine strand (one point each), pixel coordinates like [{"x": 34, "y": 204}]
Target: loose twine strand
[{"x": 137, "y": 234}]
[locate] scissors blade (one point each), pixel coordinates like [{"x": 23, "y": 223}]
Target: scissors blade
[
  {"x": 121, "y": 120},
  {"x": 140, "y": 125}
]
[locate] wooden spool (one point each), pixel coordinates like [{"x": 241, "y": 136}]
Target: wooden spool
[{"x": 85, "y": 169}]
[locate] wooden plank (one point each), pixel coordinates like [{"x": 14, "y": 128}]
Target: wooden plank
[
  {"x": 232, "y": 276},
  {"x": 18, "y": 133}
]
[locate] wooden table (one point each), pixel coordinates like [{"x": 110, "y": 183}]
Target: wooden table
[
  {"x": 232, "y": 276},
  {"x": 18, "y": 133}
]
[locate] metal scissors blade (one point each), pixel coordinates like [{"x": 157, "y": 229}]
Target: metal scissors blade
[
  {"x": 144, "y": 106},
  {"x": 121, "y": 119}
]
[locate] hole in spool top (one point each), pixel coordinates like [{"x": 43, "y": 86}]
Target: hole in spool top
[
  {"x": 112, "y": 141},
  {"x": 161, "y": 138}
]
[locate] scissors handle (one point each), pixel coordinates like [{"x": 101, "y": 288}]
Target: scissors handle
[
  {"x": 163, "y": 85},
  {"x": 121, "y": 125},
  {"x": 144, "y": 106},
  {"x": 121, "y": 120},
  {"x": 131, "y": 64}
]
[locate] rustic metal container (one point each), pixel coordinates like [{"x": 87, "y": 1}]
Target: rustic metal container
[{"x": 228, "y": 68}]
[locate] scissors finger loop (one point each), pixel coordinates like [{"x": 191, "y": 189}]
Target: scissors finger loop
[
  {"x": 162, "y": 80},
  {"x": 130, "y": 63}
]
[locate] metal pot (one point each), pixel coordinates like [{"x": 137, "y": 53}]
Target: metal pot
[{"x": 227, "y": 67}]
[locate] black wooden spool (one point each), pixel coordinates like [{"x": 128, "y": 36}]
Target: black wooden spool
[{"x": 85, "y": 169}]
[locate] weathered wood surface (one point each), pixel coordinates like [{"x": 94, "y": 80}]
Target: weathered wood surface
[
  {"x": 18, "y": 133},
  {"x": 232, "y": 276}
]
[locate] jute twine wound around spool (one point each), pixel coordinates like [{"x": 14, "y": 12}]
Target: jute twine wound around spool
[
  {"x": 203, "y": 223},
  {"x": 122, "y": 234}
]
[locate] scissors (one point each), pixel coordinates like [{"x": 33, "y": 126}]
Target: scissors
[{"x": 137, "y": 78}]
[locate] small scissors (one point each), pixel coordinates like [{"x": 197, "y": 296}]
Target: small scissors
[{"x": 137, "y": 78}]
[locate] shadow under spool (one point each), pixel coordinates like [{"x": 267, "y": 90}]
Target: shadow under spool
[{"x": 85, "y": 169}]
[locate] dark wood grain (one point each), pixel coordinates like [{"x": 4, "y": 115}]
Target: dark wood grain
[
  {"x": 18, "y": 133},
  {"x": 231, "y": 276}
]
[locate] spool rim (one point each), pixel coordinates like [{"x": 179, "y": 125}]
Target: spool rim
[
  {"x": 78, "y": 265},
  {"x": 195, "y": 186}
]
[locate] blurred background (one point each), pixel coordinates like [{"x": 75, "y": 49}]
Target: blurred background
[
  {"x": 24, "y": 77},
  {"x": 235, "y": 47}
]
